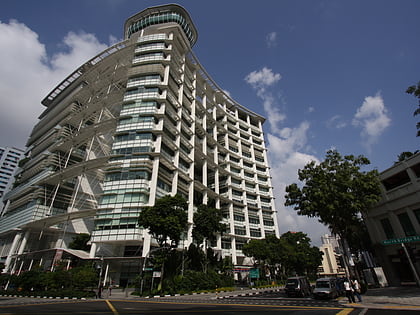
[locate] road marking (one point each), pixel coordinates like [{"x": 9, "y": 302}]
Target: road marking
[
  {"x": 345, "y": 311},
  {"x": 237, "y": 304},
  {"x": 364, "y": 311},
  {"x": 112, "y": 307}
]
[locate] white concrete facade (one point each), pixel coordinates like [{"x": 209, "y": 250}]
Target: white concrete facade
[
  {"x": 396, "y": 219},
  {"x": 9, "y": 162},
  {"x": 141, "y": 120}
]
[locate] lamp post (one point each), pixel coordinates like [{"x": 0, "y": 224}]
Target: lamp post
[{"x": 144, "y": 267}]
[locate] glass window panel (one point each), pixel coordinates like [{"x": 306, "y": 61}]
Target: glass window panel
[
  {"x": 387, "y": 227},
  {"x": 406, "y": 224}
]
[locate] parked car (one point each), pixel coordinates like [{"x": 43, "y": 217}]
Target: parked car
[
  {"x": 326, "y": 288},
  {"x": 297, "y": 286}
]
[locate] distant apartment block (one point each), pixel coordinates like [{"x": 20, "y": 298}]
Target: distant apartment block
[
  {"x": 9, "y": 160},
  {"x": 396, "y": 219},
  {"x": 139, "y": 121}
]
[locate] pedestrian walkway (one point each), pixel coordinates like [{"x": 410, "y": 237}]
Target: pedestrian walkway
[
  {"x": 403, "y": 298},
  {"x": 399, "y": 298}
]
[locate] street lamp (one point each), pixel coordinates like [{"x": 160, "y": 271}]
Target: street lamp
[{"x": 144, "y": 267}]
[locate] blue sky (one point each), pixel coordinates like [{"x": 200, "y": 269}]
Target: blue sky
[{"x": 327, "y": 74}]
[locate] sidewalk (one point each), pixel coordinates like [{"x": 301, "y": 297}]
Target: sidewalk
[
  {"x": 398, "y": 298},
  {"x": 402, "y": 298}
]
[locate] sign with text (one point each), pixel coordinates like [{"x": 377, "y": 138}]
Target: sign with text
[
  {"x": 408, "y": 239},
  {"x": 254, "y": 273}
]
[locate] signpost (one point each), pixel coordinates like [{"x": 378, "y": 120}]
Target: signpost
[
  {"x": 402, "y": 240},
  {"x": 408, "y": 239}
]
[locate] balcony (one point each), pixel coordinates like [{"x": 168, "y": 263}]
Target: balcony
[{"x": 154, "y": 37}]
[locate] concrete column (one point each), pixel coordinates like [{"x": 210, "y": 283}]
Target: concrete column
[
  {"x": 24, "y": 241},
  {"x": 92, "y": 252},
  {"x": 12, "y": 251},
  {"x": 146, "y": 244}
]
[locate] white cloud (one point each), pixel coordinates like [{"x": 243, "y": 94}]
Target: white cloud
[
  {"x": 311, "y": 109},
  {"x": 373, "y": 118},
  {"x": 286, "y": 157},
  {"x": 79, "y": 49},
  {"x": 260, "y": 81},
  {"x": 336, "y": 122},
  {"x": 271, "y": 39},
  {"x": 286, "y": 148},
  {"x": 263, "y": 78},
  {"x": 27, "y": 74}
]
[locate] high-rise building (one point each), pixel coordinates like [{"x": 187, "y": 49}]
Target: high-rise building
[
  {"x": 9, "y": 159},
  {"x": 139, "y": 121}
]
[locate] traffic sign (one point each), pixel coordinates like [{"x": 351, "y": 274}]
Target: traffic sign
[
  {"x": 408, "y": 239},
  {"x": 254, "y": 273}
]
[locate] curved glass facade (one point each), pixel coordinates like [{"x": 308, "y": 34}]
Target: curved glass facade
[{"x": 166, "y": 17}]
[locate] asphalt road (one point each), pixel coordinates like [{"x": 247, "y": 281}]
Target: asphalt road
[
  {"x": 143, "y": 307},
  {"x": 270, "y": 304}
]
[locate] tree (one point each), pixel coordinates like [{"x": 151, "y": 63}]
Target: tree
[
  {"x": 291, "y": 252},
  {"x": 405, "y": 155},
  {"x": 335, "y": 191},
  {"x": 207, "y": 223},
  {"x": 299, "y": 255},
  {"x": 415, "y": 91},
  {"x": 80, "y": 241},
  {"x": 166, "y": 220}
]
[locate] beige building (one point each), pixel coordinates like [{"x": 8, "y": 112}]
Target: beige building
[
  {"x": 331, "y": 259},
  {"x": 396, "y": 220}
]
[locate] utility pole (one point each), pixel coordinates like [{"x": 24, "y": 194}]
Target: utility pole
[{"x": 413, "y": 269}]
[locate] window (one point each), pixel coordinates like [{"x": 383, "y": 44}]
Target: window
[
  {"x": 239, "y": 244},
  {"x": 396, "y": 180},
  {"x": 239, "y": 230},
  {"x": 416, "y": 169},
  {"x": 254, "y": 220},
  {"x": 387, "y": 227},
  {"x": 226, "y": 244},
  {"x": 268, "y": 222},
  {"x": 406, "y": 224},
  {"x": 236, "y": 193},
  {"x": 417, "y": 214},
  {"x": 255, "y": 232}
]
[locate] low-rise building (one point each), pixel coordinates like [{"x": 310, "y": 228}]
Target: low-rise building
[{"x": 395, "y": 220}]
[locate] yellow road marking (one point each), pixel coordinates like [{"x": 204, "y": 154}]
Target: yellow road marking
[
  {"x": 112, "y": 307},
  {"x": 235, "y": 304},
  {"x": 345, "y": 311}
]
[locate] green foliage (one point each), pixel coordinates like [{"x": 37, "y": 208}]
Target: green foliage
[
  {"x": 292, "y": 252},
  {"x": 265, "y": 251},
  {"x": 299, "y": 255},
  {"x": 207, "y": 222},
  {"x": 80, "y": 242},
  {"x": 194, "y": 281},
  {"x": 190, "y": 270},
  {"x": 75, "y": 282},
  {"x": 415, "y": 91},
  {"x": 405, "y": 155},
  {"x": 83, "y": 277},
  {"x": 166, "y": 220},
  {"x": 335, "y": 191}
]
